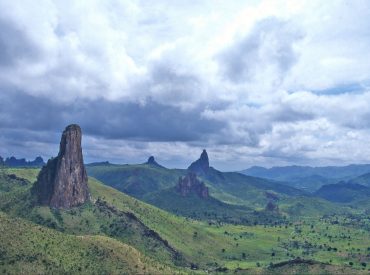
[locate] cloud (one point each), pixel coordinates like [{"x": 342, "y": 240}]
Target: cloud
[
  {"x": 106, "y": 119},
  {"x": 265, "y": 82},
  {"x": 267, "y": 49}
]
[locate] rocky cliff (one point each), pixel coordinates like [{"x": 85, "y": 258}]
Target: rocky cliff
[
  {"x": 200, "y": 166},
  {"x": 62, "y": 182},
  {"x": 190, "y": 184}
]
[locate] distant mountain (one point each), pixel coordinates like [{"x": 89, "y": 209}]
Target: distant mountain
[
  {"x": 14, "y": 162},
  {"x": 144, "y": 180},
  {"x": 309, "y": 178},
  {"x": 135, "y": 180},
  {"x": 363, "y": 180},
  {"x": 152, "y": 161},
  {"x": 343, "y": 192}
]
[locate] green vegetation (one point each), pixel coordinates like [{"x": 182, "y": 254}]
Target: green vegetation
[
  {"x": 135, "y": 180},
  {"x": 27, "y": 248},
  {"x": 121, "y": 233}
]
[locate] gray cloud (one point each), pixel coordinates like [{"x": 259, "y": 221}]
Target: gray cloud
[
  {"x": 15, "y": 45},
  {"x": 106, "y": 119},
  {"x": 270, "y": 43},
  {"x": 255, "y": 83}
]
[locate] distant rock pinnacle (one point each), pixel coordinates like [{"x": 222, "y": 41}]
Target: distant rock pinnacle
[
  {"x": 191, "y": 184},
  {"x": 151, "y": 161},
  {"x": 200, "y": 166},
  {"x": 62, "y": 182},
  {"x": 1, "y": 161}
]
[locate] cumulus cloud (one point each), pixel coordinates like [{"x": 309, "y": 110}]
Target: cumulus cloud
[
  {"x": 267, "y": 52},
  {"x": 260, "y": 83}
]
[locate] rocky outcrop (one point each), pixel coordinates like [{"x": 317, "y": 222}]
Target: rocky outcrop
[
  {"x": 14, "y": 162},
  {"x": 151, "y": 161},
  {"x": 62, "y": 182},
  {"x": 272, "y": 207},
  {"x": 200, "y": 166},
  {"x": 190, "y": 184},
  {"x": 1, "y": 161}
]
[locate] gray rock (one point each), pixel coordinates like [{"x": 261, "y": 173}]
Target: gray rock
[
  {"x": 191, "y": 184},
  {"x": 62, "y": 183},
  {"x": 200, "y": 166}
]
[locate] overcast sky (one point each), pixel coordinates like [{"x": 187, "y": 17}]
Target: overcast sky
[{"x": 254, "y": 82}]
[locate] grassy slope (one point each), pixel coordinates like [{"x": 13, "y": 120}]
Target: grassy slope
[
  {"x": 91, "y": 218},
  {"x": 136, "y": 180},
  {"x": 27, "y": 248},
  {"x": 226, "y": 244},
  {"x": 244, "y": 246}
]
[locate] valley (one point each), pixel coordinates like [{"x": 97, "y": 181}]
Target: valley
[
  {"x": 202, "y": 244},
  {"x": 147, "y": 219}
]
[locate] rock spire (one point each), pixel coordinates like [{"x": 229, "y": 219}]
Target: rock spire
[{"x": 62, "y": 182}]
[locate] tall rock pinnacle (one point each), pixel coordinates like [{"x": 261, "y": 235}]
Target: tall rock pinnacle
[
  {"x": 62, "y": 182},
  {"x": 201, "y": 165},
  {"x": 153, "y": 162}
]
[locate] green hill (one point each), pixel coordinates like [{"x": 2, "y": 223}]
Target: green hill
[
  {"x": 162, "y": 240},
  {"x": 135, "y": 180},
  {"x": 27, "y": 248},
  {"x": 363, "y": 180},
  {"x": 344, "y": 192},
  {"x": 209, "y": 209}
]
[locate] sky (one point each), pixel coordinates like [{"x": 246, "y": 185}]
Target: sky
[{"x": 267, "y": 83}]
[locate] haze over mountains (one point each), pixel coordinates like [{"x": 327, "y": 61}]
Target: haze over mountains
[{"x": 309, "y": 178}]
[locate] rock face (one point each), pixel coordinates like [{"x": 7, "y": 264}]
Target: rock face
[
  {"x": 200, "y": 166},
  {"x": 62, "y": 183},
  {"x": 151, "y": 161},
  {"x": 191, "y": 184}
]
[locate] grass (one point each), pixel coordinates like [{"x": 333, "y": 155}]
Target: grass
[
  {"x": 336, "y": 241},
  {"x": 27, "y": 248}
]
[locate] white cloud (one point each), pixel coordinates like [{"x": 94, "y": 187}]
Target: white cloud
[{"x": 289, "y": 79}]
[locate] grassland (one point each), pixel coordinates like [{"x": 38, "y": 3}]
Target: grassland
[
  {"x": 27, "y": 248},
  {"x": 337, "y": 243}
]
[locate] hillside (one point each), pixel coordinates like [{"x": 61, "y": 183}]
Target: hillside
[
  {"x": 344, "y": 192},
  {"x": 27, "y": 248},
  {"x": 136, "y": 180},
  {"x": 197, "y": 244},
  {"x": 210, "y": 209},
  {"x": 363, "y": 180}
]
